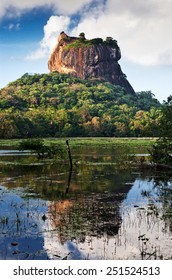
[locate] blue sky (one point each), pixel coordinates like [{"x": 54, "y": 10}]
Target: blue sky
[{"x": 29, "y": 31}]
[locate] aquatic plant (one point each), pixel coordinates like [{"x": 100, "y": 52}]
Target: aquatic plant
[{"x": 37, "y": 146}]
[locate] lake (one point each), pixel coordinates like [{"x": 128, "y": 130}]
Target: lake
[{"x": 106, "y": 208}]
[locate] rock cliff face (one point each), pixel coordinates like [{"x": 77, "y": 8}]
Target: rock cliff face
[{"x": 89, "y": 59}]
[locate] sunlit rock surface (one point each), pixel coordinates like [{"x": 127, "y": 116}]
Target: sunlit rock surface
[{"x": 88, "y": 59}]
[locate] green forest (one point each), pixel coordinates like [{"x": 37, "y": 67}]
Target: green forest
[{"x": 59, "y": 105}]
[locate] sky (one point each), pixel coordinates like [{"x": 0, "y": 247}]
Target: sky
[{"x": 29, "y": 30}]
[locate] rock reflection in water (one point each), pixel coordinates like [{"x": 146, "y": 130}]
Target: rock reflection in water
[
  {"x": 107, "y": 212},
  {"x": 78, "y": 227},
  {"x": 107, "y": 226}
]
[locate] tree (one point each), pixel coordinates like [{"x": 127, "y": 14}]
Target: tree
[
  {"x": 166, "y": 120},
  {"x": 111, "y": 42},
  {"x": 8, "y": 127},
  {"x": 59, "y": 105},
  {"x": 147, "y": 100},
  {"x": 162, "y": 150},
  {"x": 82, "y": 35}
]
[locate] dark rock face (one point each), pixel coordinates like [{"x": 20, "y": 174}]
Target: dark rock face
[{"x": 88, "y": 59}]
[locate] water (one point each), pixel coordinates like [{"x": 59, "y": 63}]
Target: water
[{"x": 104, "y": 209}]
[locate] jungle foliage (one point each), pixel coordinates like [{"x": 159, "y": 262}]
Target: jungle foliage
[
  {"x": 82, "y": 42},
  {"x": 162, "y": 150},
  {"x": 59, "y": 105}
]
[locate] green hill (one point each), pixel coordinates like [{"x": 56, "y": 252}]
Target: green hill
[{"x": 58, "y": 105}]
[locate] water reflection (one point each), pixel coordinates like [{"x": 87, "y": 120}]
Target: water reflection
[
  {"x": 144, "y": 208},
  {"x": 100, "y": 210},
  {"x": 133, "y": 228},
  {"x": 21, "y": 226}
]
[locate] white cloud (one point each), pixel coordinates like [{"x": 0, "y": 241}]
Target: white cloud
[
  {"x": 13, "y": 26},
  {"x": 142, "y": 28},
  {"x": 16, "y": 7},
  {"x": 54, "y": 26}
]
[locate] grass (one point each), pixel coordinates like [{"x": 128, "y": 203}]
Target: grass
[
  {"x": 98, "y": 141},
  {"x": 83, "y": 43},
  {"x": 79, "y": 44}
]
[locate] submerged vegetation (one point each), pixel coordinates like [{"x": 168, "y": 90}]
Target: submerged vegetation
[
  {"x": 41, "y": 149},
  {"x": 59, "y": 105}
]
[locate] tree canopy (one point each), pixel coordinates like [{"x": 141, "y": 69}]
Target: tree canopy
[
  {"x": 162, "y": 150},
  {"x": 58, "y": 105}
]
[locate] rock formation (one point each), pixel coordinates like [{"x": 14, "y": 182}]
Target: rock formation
[{"x": 88, "y": 59}]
